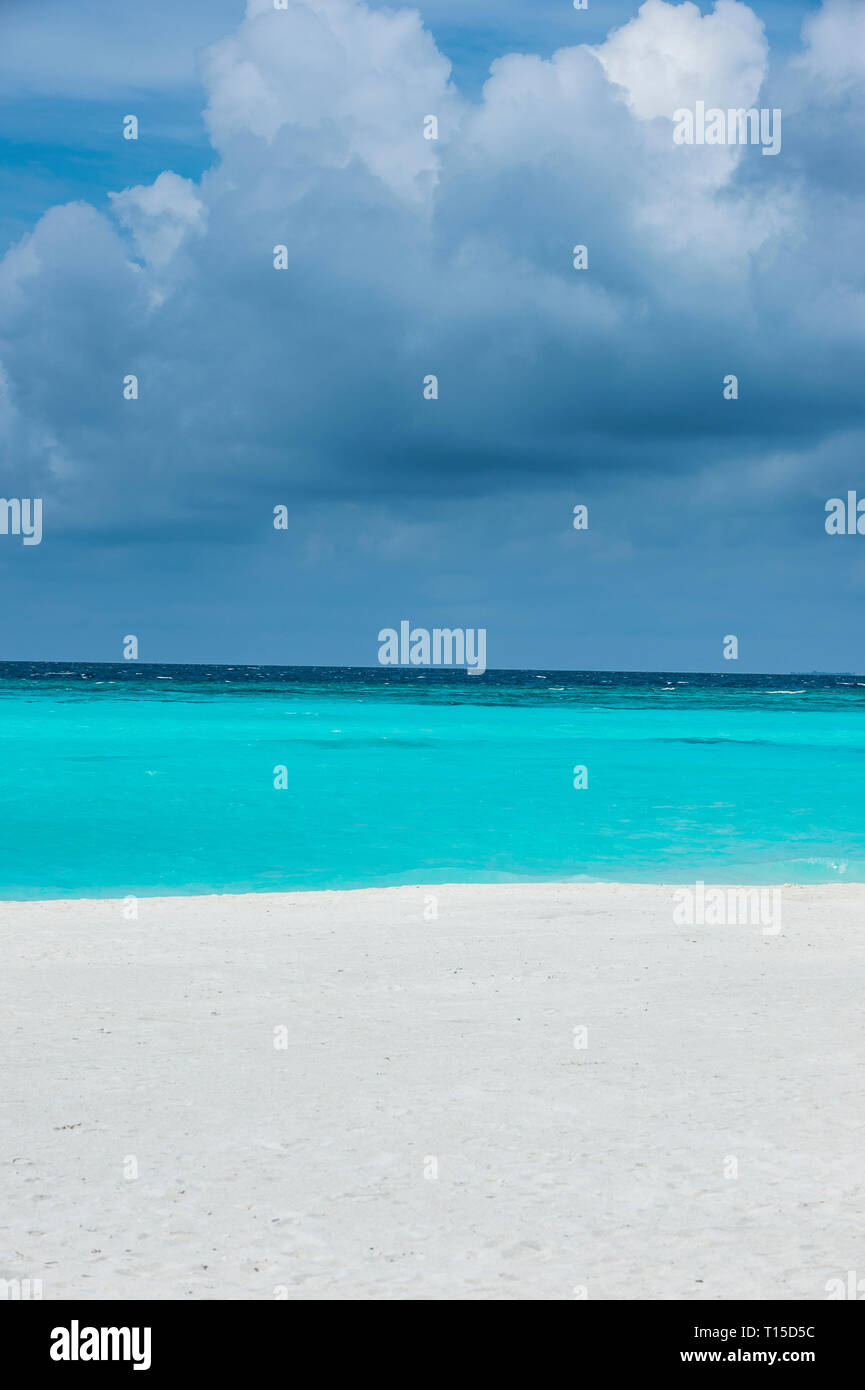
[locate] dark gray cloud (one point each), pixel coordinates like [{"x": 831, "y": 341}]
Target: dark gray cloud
[{"x": 406, "y": 257}]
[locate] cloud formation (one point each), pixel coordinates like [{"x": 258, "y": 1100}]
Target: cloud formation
[
  {"x": 408, "y": 256},
  {"x": 672, "y": 55}
]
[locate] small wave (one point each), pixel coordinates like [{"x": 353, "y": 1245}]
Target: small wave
[
  {"x": 785, "y": 692},
  {"x": 838, "y": 866}
]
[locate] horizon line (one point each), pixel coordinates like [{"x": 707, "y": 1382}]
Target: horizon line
[{"x": 419, "y": 670}]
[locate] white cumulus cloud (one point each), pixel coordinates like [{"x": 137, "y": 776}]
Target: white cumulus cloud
[
  {"x": 349, "y": 81},
  {"x": 672, "y": 56}
]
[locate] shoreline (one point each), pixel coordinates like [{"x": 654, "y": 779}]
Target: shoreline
[
  {"x": 546, "y": 1091},
  {"x": 568, "y": 885}
]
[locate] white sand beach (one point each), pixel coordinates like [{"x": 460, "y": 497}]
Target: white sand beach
[{"x": 429, "y": 1128}]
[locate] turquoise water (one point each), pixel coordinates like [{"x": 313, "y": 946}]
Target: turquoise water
[{"x": 148, "y": 780}]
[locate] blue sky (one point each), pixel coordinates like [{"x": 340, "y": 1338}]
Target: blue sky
[{"x": 303, "y": 387}]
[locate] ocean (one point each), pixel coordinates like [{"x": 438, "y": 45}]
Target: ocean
[{"x": 143, "y": 779}]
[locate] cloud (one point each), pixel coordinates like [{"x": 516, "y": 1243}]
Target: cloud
[
  {"x": 835, "y": 43},
  {"x": 161, "y": 216},
  {"x": 344, "y": 82},
  {"x": 672, "y": 56},
  {"x": 409, "y": 256}
]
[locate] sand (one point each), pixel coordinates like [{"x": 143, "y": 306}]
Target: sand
[{"x": 425, "y": 1127}]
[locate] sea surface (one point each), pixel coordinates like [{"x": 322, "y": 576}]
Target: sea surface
[{"x": 143, "y": 779}]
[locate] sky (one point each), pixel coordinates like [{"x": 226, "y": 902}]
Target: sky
[{"x": 407, "y": 257}]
